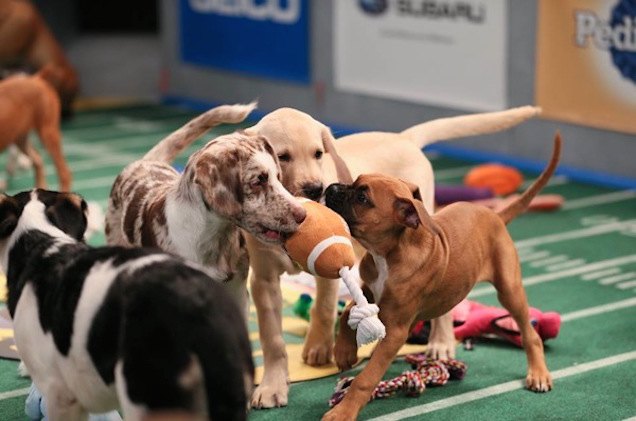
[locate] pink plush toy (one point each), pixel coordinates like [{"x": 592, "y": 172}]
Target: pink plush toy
[{"x": 479, "y": 319}]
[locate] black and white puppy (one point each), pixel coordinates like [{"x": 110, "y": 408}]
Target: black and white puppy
[{"x": 112, "y": 327}]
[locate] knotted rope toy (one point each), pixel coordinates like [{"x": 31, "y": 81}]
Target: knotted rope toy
[
  {"x": 322, "y": 246},
  {"x": 426, "y": 372}
]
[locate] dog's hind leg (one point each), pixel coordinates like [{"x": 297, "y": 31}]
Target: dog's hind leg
[
  {"x": 510, "y": 292},
  {"x": 51, "y": 139},
  {"x": 441, "y": 341},
  {"x": 38, "y": 165},
  {"x": 318, "y": 346}
]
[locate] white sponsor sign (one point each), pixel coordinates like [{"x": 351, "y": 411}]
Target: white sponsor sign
[{"x": 449, "y": 53}]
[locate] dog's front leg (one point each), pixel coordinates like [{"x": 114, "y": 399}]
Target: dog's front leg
[
  {"x": 346, "y": 348},
  {"x": 363, "y": 385},
  {"x": 441, "y": 341},
  {"x": 319, "y": 340},
  {"x": 268, "y": 300}
]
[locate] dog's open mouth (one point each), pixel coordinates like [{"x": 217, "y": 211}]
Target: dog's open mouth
[{"x": 274, "y": 235}]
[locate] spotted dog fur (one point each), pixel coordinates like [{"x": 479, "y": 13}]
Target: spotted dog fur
[
  {"x": 232, "y": 182},
  {"x": 116, "y": 327}
]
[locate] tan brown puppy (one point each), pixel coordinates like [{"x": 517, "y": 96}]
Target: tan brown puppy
[
  {"x": 25, "y": 40},
  {"x": 424, "y": 265},
  {"x": 30, "y": 103}
]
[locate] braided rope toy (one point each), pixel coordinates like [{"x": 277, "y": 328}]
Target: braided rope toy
[{"x": 426, "y": 372}]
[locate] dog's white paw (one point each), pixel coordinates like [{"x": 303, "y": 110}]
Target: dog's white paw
[
  {"x": 95, "y": 220},
  {"x": 270, "y": 395},
  {"x": 441, "y": 350},
  {"x": 441, "y": 341},
  {"x": 23, "y": 371},
  {"x": 23, "y": 162}
]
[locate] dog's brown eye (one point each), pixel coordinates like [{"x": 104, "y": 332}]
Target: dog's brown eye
[
  {"x": 362, "y": 198},
  {"x": 284, "y": 157},
  {"x": 261, "y": 180},
  {"x": 318, "y": 154}
]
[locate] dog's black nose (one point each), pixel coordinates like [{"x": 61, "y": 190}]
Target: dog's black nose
[
  {"x": 312, "y": 191},
  {"x": 334, "y": 195}
]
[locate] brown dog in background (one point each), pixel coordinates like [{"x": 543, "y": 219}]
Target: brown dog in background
[
  {"x": 26, "y": 41},
  {"x": 30, "y": 103},
  {"x": 418, "y": 264}
]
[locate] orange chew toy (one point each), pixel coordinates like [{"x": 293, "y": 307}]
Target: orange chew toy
[
  {"x": 322, "y": 246},
  {"x": 499, "y": 178}
]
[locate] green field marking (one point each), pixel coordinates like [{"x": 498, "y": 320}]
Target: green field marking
[
  {"x": 487, "y": 289},
  {"x": 13, "y": 409},
  {"x": 9, "y": 378},
  {"x": 491, "y": 363}
]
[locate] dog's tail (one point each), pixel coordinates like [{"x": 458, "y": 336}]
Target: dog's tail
[
  {"x": 171, "y": 145},
  {"x": 469, "y": 125},
  {"x": 515, "y": 208}
]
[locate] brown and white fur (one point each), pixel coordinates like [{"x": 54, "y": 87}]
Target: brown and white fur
[
  {"x": 311, "y": 160},
  {"x": 423, "y": 265},
  {"x": 30, "y": 103},
  {"x": 232, "y": 182}
]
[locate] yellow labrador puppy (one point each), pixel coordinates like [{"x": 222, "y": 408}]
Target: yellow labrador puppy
[{"x": 310, "y": 161}]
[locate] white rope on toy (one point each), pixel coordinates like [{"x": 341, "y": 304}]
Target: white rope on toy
[{"x": 363, "y": 317}]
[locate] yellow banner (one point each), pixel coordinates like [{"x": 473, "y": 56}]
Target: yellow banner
[{"x": 586, "y": 62}]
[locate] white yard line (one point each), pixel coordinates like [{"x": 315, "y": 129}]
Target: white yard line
[
  {"x": 604, "y": 308},
  {"x": 579, "y": 233},
  {"x": 626, "y": 285},
  {"x": 548, "y": 277},
  {"x": 81, "y": 165},
  {"x": 565, "y": 265},
  {"x": 14, "y": 393},
  {"x": 504, "y": 388},
  {"x": 94, "y": 183},
  {"x": 553, "y": 259},
  {"x": 599, "y": 199},
  {"x": 614, "y": 279},
  {"x": 525, "y": 258},
  {"x": 597, "y": 275}
]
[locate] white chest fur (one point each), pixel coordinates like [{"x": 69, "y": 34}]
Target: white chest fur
[{"x": 382, "y": 268}]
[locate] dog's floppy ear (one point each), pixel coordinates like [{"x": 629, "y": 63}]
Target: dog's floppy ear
[
  {"x": 9, "y": 215},
  {"x": 344, "y": 176},
  {"x": 270, "y": 150},
  {"x": 68, "y": 213},
  {"x": 415, "y": 190},
  {"x": 220, "y": 186},
  {"x": 411, "y": 213}
]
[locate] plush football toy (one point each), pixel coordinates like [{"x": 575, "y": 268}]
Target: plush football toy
[{"x": 322, "y": 246}]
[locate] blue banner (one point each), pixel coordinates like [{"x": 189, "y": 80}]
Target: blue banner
[{"x": 267, "y": 38}]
